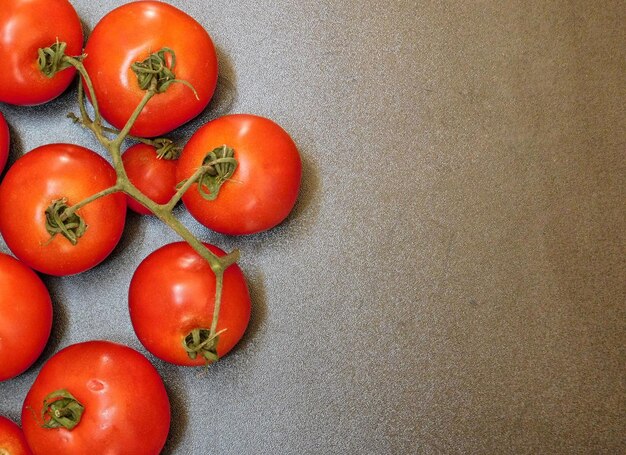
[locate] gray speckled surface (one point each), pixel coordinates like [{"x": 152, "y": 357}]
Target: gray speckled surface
[{"x": 453, "y": 277}]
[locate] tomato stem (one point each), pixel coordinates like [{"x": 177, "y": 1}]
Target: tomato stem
[
  {"x": 61, "y": 409},
  {"x": 165, "y": 147},
  {"x": 154, "y": 85}
]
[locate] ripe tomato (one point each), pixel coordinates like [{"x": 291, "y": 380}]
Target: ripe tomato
[
  {"x": 264, "y": 187},
  {"x": 4, "y": 142},
  {"x": 155, "y": 177},
  {"x": 172, "y": 293},
  {"x": 12, "y": 441},
  {"x": 53, "y": 172},
  {"x": 25, "y": 317},
  {"x": 26, "y": 26},
  {"x": 130, "y": 34},
  {"x": 126, "y": 408}
]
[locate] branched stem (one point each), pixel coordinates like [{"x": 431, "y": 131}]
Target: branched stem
[
  {"x": 162, "y": 211},
  {"x": 72, "y": 209}
]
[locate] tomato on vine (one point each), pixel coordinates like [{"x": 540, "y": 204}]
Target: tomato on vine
[
  {"x": 4, "y": 142},
  {"x": 25, "y": 27},
  {"x": 12, "y": 440},
  {"x": 129, "y": 44},
  {"x": 25, "y": 317},
  {"x": 153, "y": 174},
  {"x": 172, "y": 306},
  {"x": 37, "y": 218},
  {"x": 253, "y": 192},
  {"x": 97, "y": 397}
]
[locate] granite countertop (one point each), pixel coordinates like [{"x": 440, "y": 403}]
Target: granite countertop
[{"x": 452, "y": 279}]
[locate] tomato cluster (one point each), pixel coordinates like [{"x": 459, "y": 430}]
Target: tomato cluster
[{"x": 147, "y": 68}]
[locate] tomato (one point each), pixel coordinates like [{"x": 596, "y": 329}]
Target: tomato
[
  {"x": 12, "y": 441},
  {"x": 4, "y": 142},
  {"x": 125, "y": 405},
  {"x": 26, "y": 26},
  {"x": 172, "y": 293},
  {"x": 25, "y": 317},
  {"x": 155, "y": 177},
  {"x": 129, "y": 34},
  {"x": 51, "y": 173},
  {"x": 264, "y": 187}
]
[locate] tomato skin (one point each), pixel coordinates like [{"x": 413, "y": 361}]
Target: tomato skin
[
  {"x": 26, "y": 26},
  {"x": 12, "y": 440},
  {"x": 51, "y": 172},
  {"x": 127, "y": 409},
  {"x": 155, "y": 177},
  {"x": 265, "y": 185},
  {"x": 129, "y": 34},
  {"x": 175, "y": 281},
  {"x": 4, "y": 142},
  {"x": 25, "y": 317}
]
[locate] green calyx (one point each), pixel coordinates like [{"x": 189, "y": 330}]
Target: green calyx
[
  {"x": 155, "y": 73},
  {"x": 166, "y": 149},
  {"x": 71, "y": 226},
  {"x": 220, "y": 165},
  {"x": 52, "y": 59},
  {"x": 61, "y": 409},
  {"x": 201, "y": 342}
]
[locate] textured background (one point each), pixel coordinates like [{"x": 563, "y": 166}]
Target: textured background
[{"x": 453, "y": 277}]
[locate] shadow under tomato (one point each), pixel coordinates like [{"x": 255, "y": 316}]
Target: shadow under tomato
[
  {"x": 221, "y": 103},
  {"x": 179, "y": 405},
  {"x": 60, "y": 320},
  {"x": 258, "y": 314}
]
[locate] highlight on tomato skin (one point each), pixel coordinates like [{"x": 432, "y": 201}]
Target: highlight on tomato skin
[
  {"x": 65, "y": 174},
  {"x": 107, "y": 394},
  {"x": 264, "y": 187},
  {"x": 25, "y": 317},
  {"x": 54, "y": 20},
  {"x": 12, "y": 440},
  {"x": 176, "y": 281}
]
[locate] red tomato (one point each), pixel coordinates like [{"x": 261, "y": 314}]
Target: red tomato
[
  {"x": 12, "y": 441},
  {"x": 25, "y": 317},
  {"x": 26, "y": 26},
  {"x": 264, "y": 187},
  {"x": 53, "y": 172},
  {"x": 149, "y": 26},
  {"x": 172, "y": 293},
  {"x": 4, "y": 142},
  {"x": 126, "y": 408},
  {"x": 155, "y": 177}
]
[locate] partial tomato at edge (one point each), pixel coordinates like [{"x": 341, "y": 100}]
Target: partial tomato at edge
[
  {"x": 54, "y": 172},
  {"x": 154, "y": 176},
  {"x": 4, "y": 142},
  {"x": 25, "y": 317},
  {"x": 133, "y": 31},
  {"x": 126, "y": 407},
  {"x": 12, "y": 440},
  {"x": 172, "y": 293},
  {"x": 265, "y": 185},
  {"x": 26, "y": 26}
]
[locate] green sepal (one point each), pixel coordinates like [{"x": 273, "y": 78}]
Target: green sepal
[
  {"x": 220, "y": 165},
  {"x": 61, "y": 409},
  {"x": 201, "y": 342},
  {"x": 155, "y": 73},
  {"x": 51, "y": 59},
  {"x": 72, "y": 227}
]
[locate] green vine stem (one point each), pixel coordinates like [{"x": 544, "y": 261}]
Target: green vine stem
[
  {"x": 61, "y": 409},
  {"x": 113, "y": 145},
  {"x": 165, "y": 148}
]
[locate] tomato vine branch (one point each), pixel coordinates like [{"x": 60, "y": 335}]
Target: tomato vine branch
[{"x": 156, "y": 77}]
